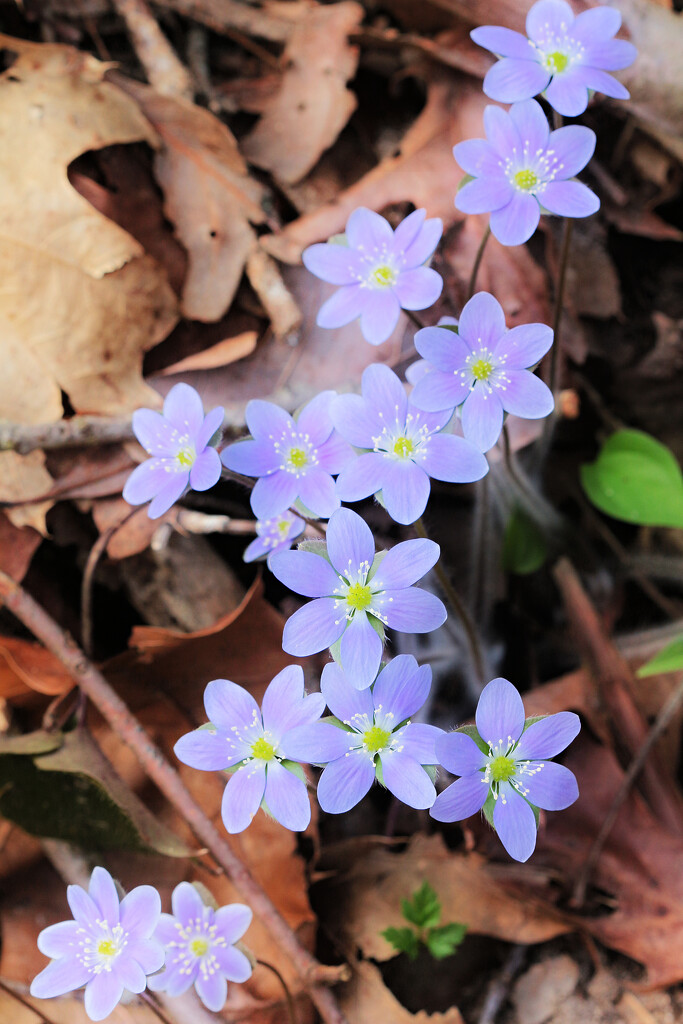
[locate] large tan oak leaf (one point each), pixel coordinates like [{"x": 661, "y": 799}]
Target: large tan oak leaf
[{"x": 80, "y": 300}]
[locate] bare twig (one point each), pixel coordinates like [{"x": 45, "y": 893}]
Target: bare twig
[
  {"x": 77, "y": 432},
  {"x": 234, "y": 14},
  {"x": 162, "y": 65},
  {"x": 500, "y": 986},
  {"x": 126, "y": 726}
]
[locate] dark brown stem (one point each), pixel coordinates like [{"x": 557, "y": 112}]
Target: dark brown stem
[
  {"x": 247, "y": 481},
  {"x": 96, "y": 552},
  {"x": 459, "y": 609},
  {"x": 155, "y": 1008},
  {"x": 559, "y": 300},
  {"x": 25, "y": 1002},
  {"x": 291, "y": 1012},
  {"x": 125, "y": 725},
  {"x": 477, "y": 262},
  {"x": 411, "y": 316}
]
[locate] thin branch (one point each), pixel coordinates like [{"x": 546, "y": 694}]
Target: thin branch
[
  {"x": 24, "y": 1002},
  {"x": 163, "y": 68},
  {"x": 127, "y": 727},
  {"x": 291, "y": 1011},
  {"x": 477, "y": 262}
]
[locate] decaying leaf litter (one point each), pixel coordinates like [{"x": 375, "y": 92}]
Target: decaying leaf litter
[{"x": 159, "y": 189}]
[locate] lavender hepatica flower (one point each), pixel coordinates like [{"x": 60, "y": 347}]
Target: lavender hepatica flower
[
  {"x": 564, "y": 57},
  {"x": 293, "y": 458},
  {"x": 403, "y": 447},
  {"x": 357, "y": 594},
  {"x": 247, "y": 742},
  {"x": 200, "y": 951},
  {"x": 179, "y": 445},
  {"x": 108, "y": 947},
  {"x": 483, "y": 368},
  {"x": 380, "y": 271},
  {"x": 276, "y": 534},
  {"x": 521, "y": 168},
  {"x": 506, "y": 764},
  {"x": 377, "y": 740}
]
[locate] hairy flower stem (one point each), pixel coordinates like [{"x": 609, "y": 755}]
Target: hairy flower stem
[
  {"x": 126, "y": 726},
  {"x": 459, "y": 609},
  {"x": 291, "y": 1012},
  {"x": 559, "y": 300},
  {"x": 477, "y": 262},
  {"x": 247, "y": 481}
]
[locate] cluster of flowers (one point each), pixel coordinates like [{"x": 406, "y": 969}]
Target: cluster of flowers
[{"x": 118, "y": 945}]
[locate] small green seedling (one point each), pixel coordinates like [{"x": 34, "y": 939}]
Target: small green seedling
[{"x": 423, "y": 912}]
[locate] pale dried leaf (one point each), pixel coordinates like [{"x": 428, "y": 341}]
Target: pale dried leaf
[
  {"x": 23, "y": 477},
  {"x": 367, "y": 1000},
  {"x": 221, "y": 354}
]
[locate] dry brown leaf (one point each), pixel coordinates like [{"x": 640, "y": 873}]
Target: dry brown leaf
[
  {"x": 367, "y": 1000},
  {"x": 221, "y": 354},
  {"x": 28, "y": 666},
  {"x": 313, "y": 104},
  {"x": 24, "y": 478},
  {"x": 84, "y": 301},
  {"x": 209, "y": 197},
  {"x": 17, "y": 547},
  {"x": 423, "y": 172},
  {"x": 129, "y": 537}
]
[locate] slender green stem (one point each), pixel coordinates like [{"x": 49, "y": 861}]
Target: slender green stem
[
  {"x": 459, "y": 609},
  {"x": 477, "y": 262},
  {"x": 291, "y": 1012}
]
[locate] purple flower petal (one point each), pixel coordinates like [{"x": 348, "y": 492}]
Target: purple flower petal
[
  {"x": 337, "y": 264},
  {"x": 345, "y": 782},
  {"x": 232, "y": 963},
  {"x": 407, "y": 780},
  {"x": 242, "y": 797},
  {"x": 266, "y": 420},
  {"x": 405, "y": 490},
  {"x": 305, "y": 573},
  {"x": 381, "y": 310},
  {"x": 349, "y": 541},
  {"x": 343, "y": 700},
  {"x": 145, "y": 481},
  {"x": 444, "y": 349},
  {"x": 502, "y": 41},
  {"x": 368, "y": 230},
  {"x": 251, "y": 458},
  {"x": 211, "y": 424},
  {"x": 600, "y": 81},
  {"x": 315, "y": 420},
  {"x": 548, "y": 737},
  {"x": 548, "y": 18},
  {"x": 232, "y": 922},
  {"x": 103, "y": 891},
  {"x": 408, "y": 231},
  {"x": 258, "y": 548},
  {"x": 418, "y": 288},
  {"x": 206, "y": 470},
  {"x": 402, "y": 688},
  {"x": 595, "y": 24},
  {"x": 228, "y": 704},
  {"x": 361, "y": 477},
  {"x": 610, "y": 54},
  {"x": 461, "y": 799},
  {"x": 317, "y": 492},
  {"x": 102, "y": 994},
  {"x": 438, "y": 390},
  {"x": 405, "y": 564},
  {"x": 524, "y": 346},
  {"x": 484, "y": 195},
  {"x": 419, "y": 742},
  {"x": 568, "y": 93},
  {"x": 511, "y": 79},
  {"x": 285, "y": 703},
  {"x": 500, "y": 131},
  {"x": 532, "y": 125},
  {"x": 156, "y": 435},
  {"x": 526, "y": 395},
  {"x": 552, "y": 786},
  {"x": 482, "y": 417},
  {"x": 334, "y": 454},
  {"x": 482, "y": 321},
  {"x": 313, "y": 628},
  {"x": 59, "y": 977},
  {"x": 570, "y": 199},
  {"x": 478, "y": 158},
  {"x": 356, "y": 419},
  {"x": 412, "y": 610},
  {"x": 459, "y": 754},
  {"x": 383, "y": 390},
  {"x": 515, "y": 823},
  {"x": 500, "y": 712},
  {"x": 361, "y": 651},
  {"x": 341, "y": 308},
  {"x": 187, "y": 903},
  {"x": 212, "y": 989},
  {"x": 140, "y": 911},
  {"x": 149, "y": 953},
  {"x": 572, "y": 146},
  {"x": 516, "y": 222},
  {"x": 130, "y": 974},
  {"x": 318, "y": 743},
  {"x": 423, "y": 245},
  {"x": 168, "y": 495},
  {"x": 286, "y": 798},
  {"x": 274, "y": 494},
  {"x": 454, "y": 459},
  {"x": 60, "y": 939},
  {"x": 83, "y": 908},
  {"x": 183, "y": 408}
]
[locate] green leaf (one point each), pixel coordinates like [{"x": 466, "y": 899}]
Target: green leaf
[
  {"x": 473, "y": 733},
  {"x": 669, "y": 659},
  {"x": 424, "y": 909},
  {"x": 403, "y": 939},
  {"x": 524, "y": 547},
  {"x": 73, "y": 793},
  {"x": 442, "y": 942},
  {"x": 637, "y": 479},
  {"x": 488, "y": 808},
  {"x": 40, "y": 742}
]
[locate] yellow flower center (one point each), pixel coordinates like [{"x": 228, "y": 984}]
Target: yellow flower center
[
  {"x": 375, "y": 739},
  {"x": 556, "y": 62},
  {"x": 185, "y": 457},
  {"x": 262, "y": 749},
  {"x": 403, "y": 447},
  {"x": 482, "y": 368},
  {"x": 107, "y": 947},
  {"x": 283, "y": 528},
  {"x": 359, "y": 596},
  {"x": 383, "y": 277},
  {"x": 502, "y": 768},
  {"x": 297, "y": 457},
  {"x": 199, "y": 947},
  {"x": 526, "y": 180}
]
